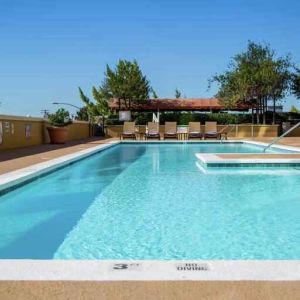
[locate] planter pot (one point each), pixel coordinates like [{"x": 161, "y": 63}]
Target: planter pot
[{"x": 58, "y": 135}]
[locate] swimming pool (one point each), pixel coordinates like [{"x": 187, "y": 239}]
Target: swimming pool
[{"x": 150, "y": 201}]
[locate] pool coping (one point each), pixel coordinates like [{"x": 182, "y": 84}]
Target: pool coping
[
  {"x": 104, "y": 270},
  {"x": 149, "y": 270}
]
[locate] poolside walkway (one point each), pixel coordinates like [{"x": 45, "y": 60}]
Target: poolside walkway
[
  {"x": 287, "y": 141},
  {"x": 11, "y": 160},
  {"x": 149, "y": 290}
]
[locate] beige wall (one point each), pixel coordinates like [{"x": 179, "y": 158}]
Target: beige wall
[
  {"x": 239, "y": 131},
  {"x": 78, "y": 130},
  {"x": 14, "y": 128},
  {"x": 294, "y": 133},
  {"x": 14, "y": 131}
]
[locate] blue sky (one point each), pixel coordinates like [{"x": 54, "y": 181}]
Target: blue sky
[{"x": 49, "y": 48}]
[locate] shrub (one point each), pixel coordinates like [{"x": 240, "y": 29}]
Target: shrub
[
  {"x": 60, "y": 118},
  {"x": 183, "y": 118},
  {"x": 221, "y": 118}
]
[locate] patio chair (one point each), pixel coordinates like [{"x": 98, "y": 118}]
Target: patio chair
[
  {"x": 194, "y": 130},
  {"x": 211, "y": 130},
  {"x": 153, "y": 131},
  {"x": 128, "y": 131},
  {"x": 170, "y": 130}
]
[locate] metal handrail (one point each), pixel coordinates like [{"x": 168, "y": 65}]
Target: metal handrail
[
  {"x": 231, "y": 129},
  {"x": 226, "y": 127},
  {"x": 280, "y": 137},
  {"x": 227, "y": 133}
]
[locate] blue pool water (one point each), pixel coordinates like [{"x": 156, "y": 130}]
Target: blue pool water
[{"x": 151, "y": 201}]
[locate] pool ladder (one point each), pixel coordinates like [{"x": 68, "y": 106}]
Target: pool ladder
[
  {"x": 227, "y": 133},
  {"x": 280, "y": 137}
]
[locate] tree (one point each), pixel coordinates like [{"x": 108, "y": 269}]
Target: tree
[
  {"x": 177, "y": 94},
  {"x": 154, "y": 95},
  {"x": 254, "y": 77},
  {"x": 294, "y": 109},
  {"x": 82, "y": 114},
  {"x": 98, "y": 108},
  {"x": 127, "y": 84},
  {"x": 296, "y": 83}
]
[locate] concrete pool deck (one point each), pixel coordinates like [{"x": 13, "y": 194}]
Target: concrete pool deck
[
  {"x": 149, "y": 290},
  {"x": 237, "y": 280},
  {"x": 12, "y": 160},
  {"x": 95, "y": 279}
]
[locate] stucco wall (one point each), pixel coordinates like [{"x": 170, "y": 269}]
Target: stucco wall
[
  {"x": 14, "y": 131},
  {"x": 239, "y": 131},
  {"x": 294, "y": 133}
]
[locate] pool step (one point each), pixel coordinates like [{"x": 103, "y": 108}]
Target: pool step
[{"x": 242, "y": 160}]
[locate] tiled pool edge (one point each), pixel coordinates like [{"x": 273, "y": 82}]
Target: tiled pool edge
[
  {"x": 19, "y": 177},
  {"x": 148, "y": 270}
]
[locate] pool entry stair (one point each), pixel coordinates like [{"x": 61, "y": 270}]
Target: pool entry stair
[{"x": 241, "y": 160}]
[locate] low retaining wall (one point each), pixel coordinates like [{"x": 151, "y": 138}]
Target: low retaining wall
[
  {"x": 237, "y": 131},
  {"x": 18, "y": 132},
  {"x": 294, "y": 133}
]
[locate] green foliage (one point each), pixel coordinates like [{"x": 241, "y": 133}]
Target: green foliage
[
  {"x": 127, "y": 83},
  {"x": 296, "y": 83},
  {"x": 177, "y": 94},
  {"x": 82, "y": 114},
  {"x": 60, "y": 118},
  {"x": 254, "y": 76},
  {"x": 294, "y": 109},
  {"x": 113, "y": 119},
  {"x": 154, "y": 95},
  {"x": 183, "y": 118},
  {"x": 139, "y": 118},
  {"x": 100, "y": 106},
  {"x": 142, "y": 118}
]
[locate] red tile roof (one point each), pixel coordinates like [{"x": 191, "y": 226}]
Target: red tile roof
[{"x": 204, "y": 104}]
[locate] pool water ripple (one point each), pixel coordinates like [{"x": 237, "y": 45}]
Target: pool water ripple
[{"x": 152, "y": 202}]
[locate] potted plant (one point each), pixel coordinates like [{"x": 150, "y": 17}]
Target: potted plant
[{"x": 58, "y": 131}]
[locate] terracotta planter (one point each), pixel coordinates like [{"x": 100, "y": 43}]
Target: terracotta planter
[{"x": 58, "y": 135}]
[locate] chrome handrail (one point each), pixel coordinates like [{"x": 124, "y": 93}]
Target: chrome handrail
[
  {"x": 280, "y": 137},
  {"x": 233, "y": 126}
]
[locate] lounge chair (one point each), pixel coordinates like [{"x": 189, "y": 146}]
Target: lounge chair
[
  {"x": 211, "y": 130},
  {"x": 153, "y": 131},
  {"x": 194, "y": 130},
  {"x": 128, "y": 131},
  {"x": 170, "y": 130}
]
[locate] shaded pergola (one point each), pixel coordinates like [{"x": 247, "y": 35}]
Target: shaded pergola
[{"x": 169, "y": 104}]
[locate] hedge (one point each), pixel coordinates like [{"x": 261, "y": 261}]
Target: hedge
[{"x": 183, "y": 118}]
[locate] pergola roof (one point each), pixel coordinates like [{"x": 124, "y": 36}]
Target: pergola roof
[{"x": 166, "y": 104}]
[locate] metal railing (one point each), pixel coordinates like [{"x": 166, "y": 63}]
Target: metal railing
[
  {"x": 233, "y": 126},
  {"x": 280, "y": 137}
]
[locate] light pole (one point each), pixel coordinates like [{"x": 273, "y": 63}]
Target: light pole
[
  {"x": 77, "y": 107},
  {"x": 65, "y": 103}
]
